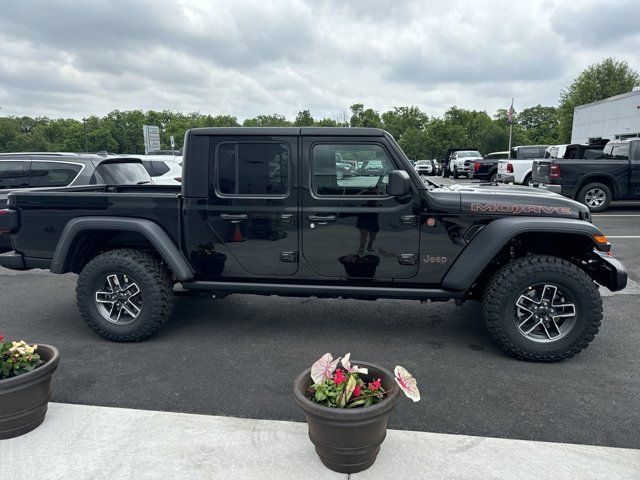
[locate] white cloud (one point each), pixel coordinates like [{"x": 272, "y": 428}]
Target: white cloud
[{"x": 249, "y": 57}]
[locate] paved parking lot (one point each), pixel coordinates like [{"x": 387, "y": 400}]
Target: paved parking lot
[{"x": 238, "y": 357}]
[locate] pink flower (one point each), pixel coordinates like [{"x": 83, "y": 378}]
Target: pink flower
[
  {"x": 356, "y": 391},
  {"x": 1, "y": 338},
  {"x": 339, "y": 377},
  {"x": 373, "y": 386}
]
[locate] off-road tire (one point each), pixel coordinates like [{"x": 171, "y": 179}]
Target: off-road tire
[
  {"x": 581, "y": 197},
  {"x": 499, "y": 310},
  {"x": 151, "y": 276}
]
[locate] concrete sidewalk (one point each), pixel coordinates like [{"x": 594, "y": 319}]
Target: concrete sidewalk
[{"x": 86, "y": 442}]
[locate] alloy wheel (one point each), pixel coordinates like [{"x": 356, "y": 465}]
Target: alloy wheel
[
  {"x": 545, "y": 313},
  {"x": 595, "y": 197},
  {"x": 119, "y": 299}
]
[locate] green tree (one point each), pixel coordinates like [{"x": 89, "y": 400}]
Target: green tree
[
  {"x": 597, "y": 82},
  {"x": 267, "y": 121},
  {"x": 304, "y": 119},
  {"x": 541, "y": 124},
  {"x": 364, "y": 118},
  {"x": 401, "y": 119}
]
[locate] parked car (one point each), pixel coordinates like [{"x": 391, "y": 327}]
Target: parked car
[
  {"x": 424, "y": 167},
  {"x": 236, "y": 228},
  {"x": 165, "y": 169},
  {"x": 447, "y": 158},
  {"x": 461, "y": 162},
  {"x": 517, "y": 168},
  {"x": 344, "y": 169},
  {"x": 594, "y": 182},
  {"x": 47, "y": 170},
  {"x": 487, "y": 168}
]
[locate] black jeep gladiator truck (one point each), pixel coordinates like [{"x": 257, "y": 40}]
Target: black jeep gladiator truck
[
  {"x": 262, "y": 211},
  {"x": 595, "y": 178}
]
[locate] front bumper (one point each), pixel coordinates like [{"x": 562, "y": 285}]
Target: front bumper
[{"x": 609, "y": 272}]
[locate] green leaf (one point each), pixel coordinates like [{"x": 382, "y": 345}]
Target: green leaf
[{"x": 357, "y": 403}]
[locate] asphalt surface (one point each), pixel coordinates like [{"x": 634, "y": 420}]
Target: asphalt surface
[{"x": 238, "y": 356}]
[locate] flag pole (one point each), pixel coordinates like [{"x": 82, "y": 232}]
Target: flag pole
[{"x": 510, "y": 125}]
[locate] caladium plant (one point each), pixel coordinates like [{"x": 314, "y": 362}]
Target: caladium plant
[{"x": 346, "y": 388}]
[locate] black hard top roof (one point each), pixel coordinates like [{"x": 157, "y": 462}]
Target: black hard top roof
[{"x": 278, "y": 131}]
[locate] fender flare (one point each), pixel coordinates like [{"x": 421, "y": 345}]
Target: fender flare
[
  {"x": 486, "y": 244},
  {"x": 593, "y": 177},
  {"x": 149, "y": 229}
]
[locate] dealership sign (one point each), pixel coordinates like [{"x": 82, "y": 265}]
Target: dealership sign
[{"x": 151, "y": 138}]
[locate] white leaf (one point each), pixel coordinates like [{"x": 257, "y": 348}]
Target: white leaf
[
  {"x": 407, "y": 383},
  {"x": 323, "y": 368}
]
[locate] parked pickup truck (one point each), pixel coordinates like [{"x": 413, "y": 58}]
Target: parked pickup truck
[
  {"x": 262, "y": 211},
  {"x": 594, "y": 182}
]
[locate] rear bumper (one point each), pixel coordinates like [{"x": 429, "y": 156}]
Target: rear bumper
[
  {"x": 506, "y": 178},
  {"x": 17, "y": 261},
  {"x": 551, "y": 188},
  {"x": 610, "y": 272}
]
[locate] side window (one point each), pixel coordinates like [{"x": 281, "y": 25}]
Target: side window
[
  {"x": 620, "y": 152},
  {"x": 530, "y": 153},
  {"x": 253, "y": 168},
  {"x": 160, "y": 168},
  {"x": 350, "y": 169},
  {"x": 52, "y": 174},
  {"x": 13, "y": 175}
]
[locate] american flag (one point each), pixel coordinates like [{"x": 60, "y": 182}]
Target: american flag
[{"x": 510, "y": 113}]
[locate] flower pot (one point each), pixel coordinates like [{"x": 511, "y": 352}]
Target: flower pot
[
  {"x": 360, "y": 267},
  {"x": 348, "y": 439},
  {"x": 24, "y": 399}
]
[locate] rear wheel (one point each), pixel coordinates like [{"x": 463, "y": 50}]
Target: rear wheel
[
  {"x": 596, "y": 196},
  {"x": 125, "y": 295},
  {"x": 493, "y": 178},
  {"x": 527, "y": 180},
  {"x": 542, "y": 308}
]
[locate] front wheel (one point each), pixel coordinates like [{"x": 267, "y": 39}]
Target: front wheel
[
  {"x": 125, "y": 295},
  {"x": 455, "y": 172},
  {"x": 542, "y": 308},
  {"x": 596, "y": 196}
]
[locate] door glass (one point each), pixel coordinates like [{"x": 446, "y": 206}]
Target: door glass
[
  {"x": 253, "y": 169},
  {"x": 349, "y": 169},
  {"x": 53, "y": 174},
  {"x": 13, "y": 175}
]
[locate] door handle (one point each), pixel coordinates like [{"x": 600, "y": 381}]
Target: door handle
[
  {"x": 234, "y": 218},
  {"x": 322, "y": 218}
]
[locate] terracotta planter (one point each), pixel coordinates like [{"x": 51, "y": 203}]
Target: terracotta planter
[
  {"x": 24, "y": 399},
  {"x": 348, "y": 439}
]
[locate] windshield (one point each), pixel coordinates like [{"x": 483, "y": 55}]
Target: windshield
[
  {"x": 125, "y": 173},
  {"x": 469, "y": 154}
]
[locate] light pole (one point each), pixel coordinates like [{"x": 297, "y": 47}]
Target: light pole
[{"x": 84, "y": 124}]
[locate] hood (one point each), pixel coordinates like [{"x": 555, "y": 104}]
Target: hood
[{"x": 512, "y": 200}]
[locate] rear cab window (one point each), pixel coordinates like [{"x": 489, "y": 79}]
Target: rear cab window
[
  {"x": 122, "y": 173},
  {"x": 252, "y": 169}
]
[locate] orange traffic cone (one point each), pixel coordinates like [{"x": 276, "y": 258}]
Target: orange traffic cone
[{"x": 237, "y": 234}]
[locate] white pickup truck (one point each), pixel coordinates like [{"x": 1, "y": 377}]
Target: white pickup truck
[{"x": 517, "y": 168}]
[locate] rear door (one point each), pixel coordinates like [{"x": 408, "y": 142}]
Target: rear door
[
  {"x": 350, "y": 226},
  {"x": 253, "y": 204}
]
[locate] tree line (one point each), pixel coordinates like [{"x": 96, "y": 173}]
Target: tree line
[{"x": 421, "y": 136}]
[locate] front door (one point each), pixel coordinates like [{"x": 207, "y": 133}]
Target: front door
[
  {"x": 350, "y": 226},
  {"x": 253, "y": 206}
]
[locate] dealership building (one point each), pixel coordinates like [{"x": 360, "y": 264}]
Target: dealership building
[{"x": 613, "y": 117}]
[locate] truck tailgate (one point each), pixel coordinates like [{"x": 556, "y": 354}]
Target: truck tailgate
[{"x": 540, "y": 171}]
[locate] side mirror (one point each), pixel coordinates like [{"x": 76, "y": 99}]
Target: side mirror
[{"x": 399, "y": 183}]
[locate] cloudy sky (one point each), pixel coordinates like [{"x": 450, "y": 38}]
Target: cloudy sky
[{"x": 248, "y": 57}]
